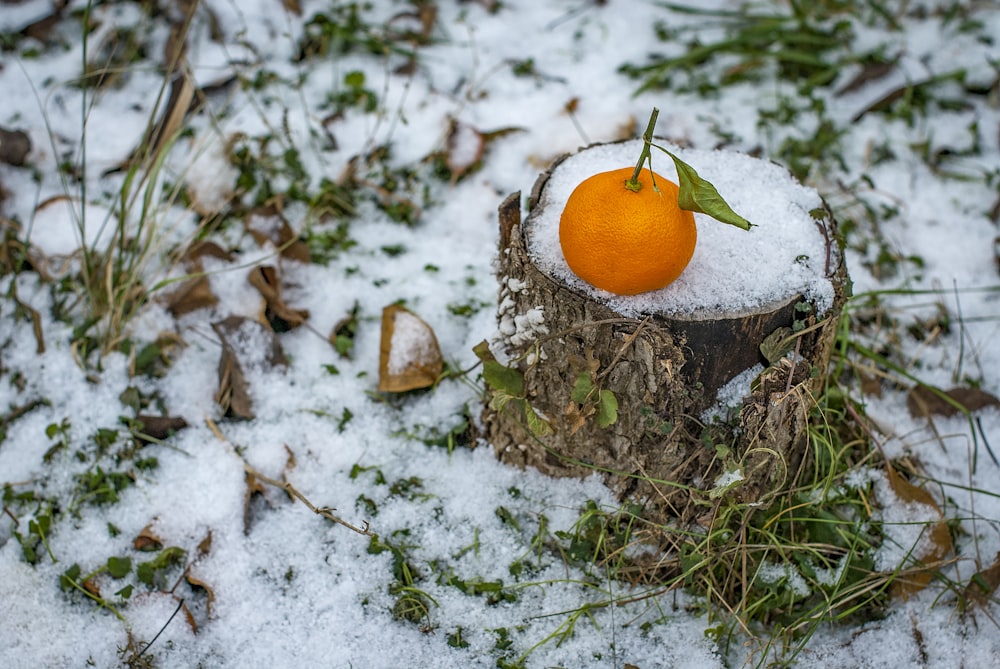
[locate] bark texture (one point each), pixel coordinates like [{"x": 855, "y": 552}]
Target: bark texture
[{"x": 663, "y": 372}]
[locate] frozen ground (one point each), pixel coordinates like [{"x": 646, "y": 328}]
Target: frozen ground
[{"x": 274, "y": 585}]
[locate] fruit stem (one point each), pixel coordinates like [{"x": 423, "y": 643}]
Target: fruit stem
[{"x": 633, "y": 184}]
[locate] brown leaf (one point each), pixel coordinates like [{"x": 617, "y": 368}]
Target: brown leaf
[
  {"x": 870, "y": 72},
  {"x": 912, "y": 581},
  {"x": 189, "y": 617},
  {"x": 205, "y": 545},
  {"x": 239, "y": 338},
  {"x": 409, "y": 355},
  {"x": 158, "y": 428},
  {"x": 574, "y": 417},
  {"x": 189, "y": 296},
  {"x": 253, "y": 489},
  {"x": 196, "y": 582},
  {"x": 147, "y": 540},
  {"x": 983, "y": 584},
  {"x": 292, "y": 6},
  {"x": 15, "y": 145},
  {"x": 267, "y": 225},
  {"x": 196, "y": 292},
  {"x": 194, "y": 253},
  {"x": 43, "y": 28},
  {"x": 465, "y": 147},
  {"x": 922, "y": 401},
  {"x": 281, "y": 317},
  {"x": 90, "y": 585}
]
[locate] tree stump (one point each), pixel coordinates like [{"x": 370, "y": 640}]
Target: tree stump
[{"x": 576, "y": 352}]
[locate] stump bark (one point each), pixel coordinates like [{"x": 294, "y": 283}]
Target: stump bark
[{"x": 576, "y": 356}]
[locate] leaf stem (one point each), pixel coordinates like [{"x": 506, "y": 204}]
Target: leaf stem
[{"x": 633, "y": 184}]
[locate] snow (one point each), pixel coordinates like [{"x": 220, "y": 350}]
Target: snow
[
  {"x": 412, "y": 342},
  {"x": 291, "y": 588}
]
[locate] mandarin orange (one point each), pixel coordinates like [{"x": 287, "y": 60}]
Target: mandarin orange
[{"x": 626, "y": 241}]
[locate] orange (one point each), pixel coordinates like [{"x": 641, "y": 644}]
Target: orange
[{"x": 625, "y": 241}]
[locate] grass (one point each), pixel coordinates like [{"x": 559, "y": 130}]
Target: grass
[{"x": 767, "y": 576}]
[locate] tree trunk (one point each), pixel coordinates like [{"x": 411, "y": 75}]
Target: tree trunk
[{"x": 577, "y": 357}]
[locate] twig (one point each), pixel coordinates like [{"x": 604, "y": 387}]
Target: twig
[
  {"x": 325, "y": 511},
  {"x": 169, "y": 620}
]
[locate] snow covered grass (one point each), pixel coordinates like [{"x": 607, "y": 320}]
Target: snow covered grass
[{"x": 282, "y": 512}]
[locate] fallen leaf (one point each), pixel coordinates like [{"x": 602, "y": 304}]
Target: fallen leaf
[
  {"x": 205, "y": 545},
  {"x": 196, "y": 582},
  {"x": 157, "y": 428},
  {"x": 409, "y": 355},
  {"x": 267, "y": 225},
  {"x": 244, "y": 342},
  {"x": 191, "y": 295},
  {"x": 912, "y": 580},
  {"x": 344, "y": 330},
  {"x": 147, "y": 540},
  {"x": 923, "y": 401},
  {"x": 281, "y": 317},
  {"x": 870, "y": 72},
  {"x": 253, "y": 489},
  {"x": 196, "y": 292},
  {"x": 983, "y": 584},
  {"x": 292, "y": 6},
  {"x": 15, "y": 145},
  {"x": 465, "y": 147}
]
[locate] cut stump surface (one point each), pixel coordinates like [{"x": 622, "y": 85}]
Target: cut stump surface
[{"x": 581, "y": 352}]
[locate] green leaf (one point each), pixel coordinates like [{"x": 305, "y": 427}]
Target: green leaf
[
  {"x": 582, "y": 388},
  {"x": 777, "y": 344},
  {"x": 126, "y": 592},
  {"x": 500, "y": 398},
  {"x": 119, "y": 567},
  {"x": 538, "y": 425},
  {"x": 503, "y": 378},
  {"x": 700, "y": 196},
  {"x": 69, "y": 577},
  {"x": 607, "y": 409},
  {"x": 144, "y": 572}
]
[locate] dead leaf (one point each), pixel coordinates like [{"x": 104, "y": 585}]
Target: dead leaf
[
  {"x": 912, "y": 580},
  {"x": 188, "y": 616},
  {"x": 90, "y": 585},
  {"x": 43, "y": 29},
  {"x": 870, "y": 72},
  {"x": 281, "y": 317},
  {"x": 147, "y": 540},
  {"x": 189, "y": 296},
  {"x": 922, "y": 401},
  {"x": 253, "y": 489},
  {"x": 256, "y": 345},
  {"x": 198, "y": 583},
  {"x": 983, "y": 584},
  {"x": 196, "y": 292},
  {"x": 409, "y": 355},
  {"x": 465, "y": 147},
  {"x": 267, "y": 225},
  {"x": 423, "y": 18},
  {"x": 292, "y": 6},
  {"x": 575, "y": 416},
  {"x": 15, "y": 145},
  {"x": 158, "y": 428},
  {"x": 205, "y": 545}
]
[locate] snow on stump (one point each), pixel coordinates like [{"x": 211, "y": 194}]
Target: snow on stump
[{"x": 634, "y": 387}]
